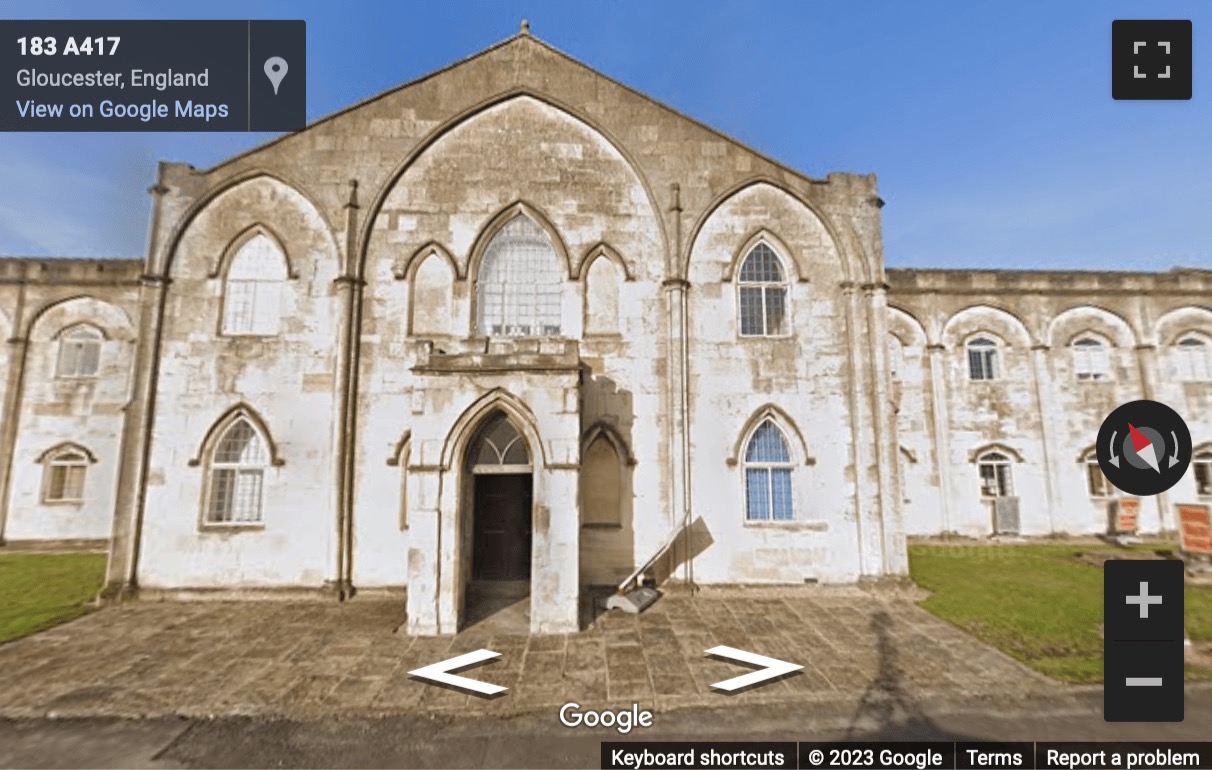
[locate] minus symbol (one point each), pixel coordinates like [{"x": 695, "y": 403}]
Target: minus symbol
[{"x": 1143, "y": 681}]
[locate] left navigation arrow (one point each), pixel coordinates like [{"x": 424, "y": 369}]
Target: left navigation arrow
[{"x": 440, "y": 673}]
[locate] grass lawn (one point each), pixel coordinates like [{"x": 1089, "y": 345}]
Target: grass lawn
[
  {"x": 1037, "y": 603},
  {"x": 40, "y": 590}
]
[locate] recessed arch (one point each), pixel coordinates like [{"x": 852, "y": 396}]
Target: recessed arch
[
  {"x": 759, "y": 181},
  {"x": 173, "y": 242},
  {"x": 218, "y": 427},
  {"x": 1072, "y": 322},
  {"x": 763, "y": 235},
  {"x": 603, "y": 250},
  {"x": 399, "y": 452},
  {"x": 389, "y": 184},
  {"x": 111, "y": 320},
  {"x": 406, "y": 269},
  {"x": 1181, "y": 321},
  {"x": 258, "y": 229},
  {"x": 63, "y": 447},
  {"x": 989, "y": 318},
  {"x": 906, "y": 327},
  {"x": 605, "y": 430},
  {"x": 83, "y": 325},
  {"x": 783, "y": 421},
  {"x": 468, "y": 423}
]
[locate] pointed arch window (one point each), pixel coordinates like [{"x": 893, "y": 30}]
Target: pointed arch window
[
  {"x": 252, "y": 291},
  {"x": 768, "y": 475},
  {"x": 995, "y": 475},
  {"x": 762, "y": 294},
  {"x": 79, "y": 352},
  {"x": 1091, "y": 360},
  {"x": 1193, "y": 357},
  {"x": 65, "y": 472},
  {"x": 520, "y": 283},
  {"x": 237, "y": 475},
  {"x": 982, "y": 359}
]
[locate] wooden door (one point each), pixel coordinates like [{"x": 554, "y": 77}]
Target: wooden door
[{"x": 501, "y": 543}]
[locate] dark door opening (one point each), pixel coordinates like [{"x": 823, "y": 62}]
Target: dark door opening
[{"x": 501, "y": 539}]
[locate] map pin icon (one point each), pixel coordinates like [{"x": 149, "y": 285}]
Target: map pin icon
[{"x": 275, "y": 70}]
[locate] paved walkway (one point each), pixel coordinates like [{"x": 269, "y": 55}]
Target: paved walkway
[{"x": 317, "y": 659}]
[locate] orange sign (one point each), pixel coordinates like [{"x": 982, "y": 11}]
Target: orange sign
[
  {"x": 1126, "y": 514},
  {"x": 1196, "y": 533}
]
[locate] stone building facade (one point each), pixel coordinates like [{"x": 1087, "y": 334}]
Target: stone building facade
[{"x": 515, "y": 322}]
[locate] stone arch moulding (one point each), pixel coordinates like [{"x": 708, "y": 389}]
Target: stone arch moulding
[
  {"x": 989, "y": 319},
  {"x": 1183, "y": 320},
  {"x": 117, "y": 326},
  {"x": 406, "y": 269},
  {"x": 376, "y": 206},
  {"x": 243, "y": 237},
  {"x": 197, "y": 207},
  {"x": 504, "y": 217},
  {"x": 603, "y": 250},
  {"x": 780, "y": 418},
  {"x": 1086, "y": 319},
  {"x": 217, "y": 427},
  {"x": 1010, "y": 452},
  {"x": 400, "y": 449},
  {"x": 469, "y": 421},
  {"x": 601, "y": 429},
  {"x": 906, "y": 327},
  {"x": 63, "y": 330},
  {"x": 1202, "y": 448},
  {"x": 1091, "y": 453},
  {"x": 66, "y": 446},
  {"x": 720, "y": 200},
  {"x": 789, "y": 259}
]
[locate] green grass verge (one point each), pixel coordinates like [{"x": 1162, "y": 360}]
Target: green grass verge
[
  {"x": 1037, "y": 603},
  {"x": 40, "y": 590}
]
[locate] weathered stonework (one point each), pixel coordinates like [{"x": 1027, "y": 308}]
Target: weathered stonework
[{"x": 375, "y": 386}]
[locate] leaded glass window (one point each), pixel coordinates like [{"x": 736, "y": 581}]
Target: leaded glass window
[
  {"x": 763, "y": 294},
  {"x": 520, "y": 283},
  {"x": 237, "y": 475},
  {"x": 768, "y": 476},
  {"x": 252, "y": 293},
  {"x": 79, "y": 352},
  {"x": 982, "y": 359}
]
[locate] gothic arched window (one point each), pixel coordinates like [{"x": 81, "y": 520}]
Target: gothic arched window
[
  {"x": 1090, "y": 358},
  {"x": 768, "y": 475},
  {"x": 64, "y": 475},
  {"x": 519, "y": 283},
  {"x": 982, "y": 359},
  {"x": 237, "y": 475},
  {"x": 762, "y": 294},
  {"x": 252, "y": 291},
  {"x": 1193, "y": 358}
]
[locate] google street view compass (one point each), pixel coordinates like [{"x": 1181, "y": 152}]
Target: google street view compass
[{"x": 1144, "y": 447}]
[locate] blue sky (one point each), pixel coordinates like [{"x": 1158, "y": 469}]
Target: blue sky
[{"x": 991, "y": 125}]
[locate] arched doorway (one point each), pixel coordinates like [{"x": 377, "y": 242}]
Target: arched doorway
[{"x": 499, "y": 540}]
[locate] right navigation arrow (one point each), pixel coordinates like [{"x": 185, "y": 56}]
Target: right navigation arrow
[{"x": 773, "y": 668}]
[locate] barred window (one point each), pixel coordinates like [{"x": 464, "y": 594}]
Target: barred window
[
  {"x": 995, "y": 476},
  {"x": 79, "y": 352},
  {"x": 520, "y": 283},
  {"x": 763, "y": 294},
  {"x": 1192, "y": 357},
  {"x": 252, "y": 293},
  {"x": 1090, "y": 359},
  {"x": 237, "y": 473},
  {"x": 65, "y": 477},
  {"x": 1202, "y": 466},
  {"x": 982, "y": 359},
  {"x": 768, "y": 476}
]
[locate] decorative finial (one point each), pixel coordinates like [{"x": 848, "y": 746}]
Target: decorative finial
[{"x": 525, "y": 27}]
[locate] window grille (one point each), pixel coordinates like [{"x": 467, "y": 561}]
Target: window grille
[
  {"x": 1090, "y": 359},
  {"x": 520, "y": 283},
  {"x": 65, "y": 483},
  {"x": 768, "y": 476},
  {"x": 982, "y": 359},
  {"x": 79, "y": 352},
  {"x": 763, "y": 294},
  {"x": 995, "y": 475},
  {"x": 252, "y": 298},
  {"x": 1193, "y": 359},
  {"x": 237, "y": 476}
]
